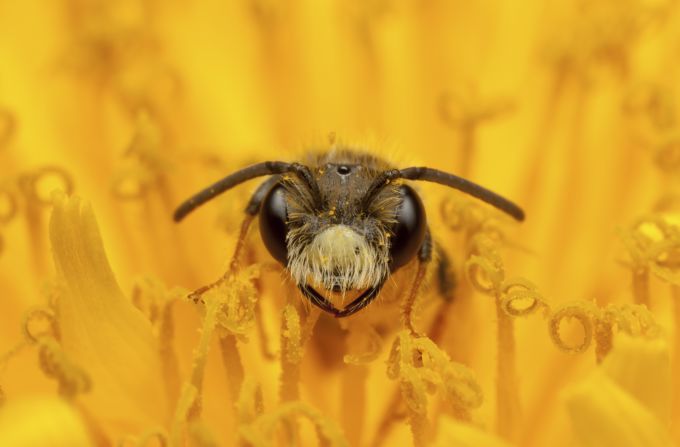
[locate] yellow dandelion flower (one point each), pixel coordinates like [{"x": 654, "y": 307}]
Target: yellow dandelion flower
[{"x": 121, "y": 328}]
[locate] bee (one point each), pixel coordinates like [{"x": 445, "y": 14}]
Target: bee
[{"x": 343, "y": 222}]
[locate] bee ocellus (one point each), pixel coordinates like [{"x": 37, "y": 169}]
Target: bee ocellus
[{"x": 343, "y": 222}]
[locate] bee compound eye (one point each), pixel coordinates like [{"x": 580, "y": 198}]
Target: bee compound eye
[
  {"x": 409, "y": 230},
  {"x": 273, "y": 229}
]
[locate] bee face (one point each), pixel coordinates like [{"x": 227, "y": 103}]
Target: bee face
[{"x": 339, "y": 241}]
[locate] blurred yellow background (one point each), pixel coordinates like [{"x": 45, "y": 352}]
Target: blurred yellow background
[{"x": 566, "y": 107}]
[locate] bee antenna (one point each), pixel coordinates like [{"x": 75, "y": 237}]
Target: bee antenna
[
  {"x": 228, "y": 182},
  {"x": 464, "y": 185},
  {"x": 446, "y": 179}
]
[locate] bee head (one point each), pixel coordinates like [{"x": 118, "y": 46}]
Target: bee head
[{"x": 349, "y": 236}]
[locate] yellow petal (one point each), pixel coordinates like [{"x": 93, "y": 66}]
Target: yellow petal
[
  {"x": 100, "y": 329},
  {"x": 39, "y": 422},
  {"x": 642, "y": 368},
  {"x": 454, "y": 433},
  {"x": 604, "y": 414}
]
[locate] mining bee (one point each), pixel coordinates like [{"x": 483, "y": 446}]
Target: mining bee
[{"x": 344, "y": 222}]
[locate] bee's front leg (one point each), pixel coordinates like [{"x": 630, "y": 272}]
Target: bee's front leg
[
  {"x": 424, "y": 258},
  {"x": 446, "y": 277},
  {"x": 446, "y": 285},
  {"x": 251, "y": 211}
]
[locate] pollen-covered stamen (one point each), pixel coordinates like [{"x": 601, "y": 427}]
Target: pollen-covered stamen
[{"x": 339, "y": 259}]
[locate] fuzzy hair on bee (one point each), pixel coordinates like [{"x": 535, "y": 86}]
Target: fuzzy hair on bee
[
  {"x": 343, "y": 246},
  {"x": 343, "y": 221}
]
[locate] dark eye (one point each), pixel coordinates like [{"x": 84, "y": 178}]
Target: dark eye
[
  {"x": 273, "y": 228},
  {"x": 409, "y": 231}
]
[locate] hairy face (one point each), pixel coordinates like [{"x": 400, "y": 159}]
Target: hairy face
[
  {"x": 340, "y": 244},
  {"x": 339, "y": 258}
]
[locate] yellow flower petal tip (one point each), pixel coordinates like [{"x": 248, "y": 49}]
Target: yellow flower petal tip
[
  {"x": 603, "y": 414},
  {"x": 30, "y": 422},
  {"x": 451, "y": 432},
  {"x": 100, "y": 329},
  {"x": 624, "y": 403},
  {"x": 642, "y": 368}
]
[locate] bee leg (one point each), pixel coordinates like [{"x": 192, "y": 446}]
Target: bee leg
[
  {"x": 446, "y": 278},
  {"x": 408, "y": 307},
  {"x": 446, "y": 282},
  {"x": 251, "y": 210}
]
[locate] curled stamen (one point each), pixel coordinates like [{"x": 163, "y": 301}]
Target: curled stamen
[
  {"x": 653, "y": 244},
  {"x": 422, "y": 368},
  {"x": 599, "y": 324},
  {"x": 147, "y": 163},
  {"x": 485, "y": 274},
  {"x": 72, "y": 379},
  {"x": 228, "y": 305},
  {"x": 604, "y": 338},
  {"x": 580, "y": 311},
  {"x": 600, "y": 34},
  {"x": 520, "y": 298},
  {"x": 132, "y": 184},
  {"x": 452, "y": 212},
  {"x": 39, "y": 323},
  {"x": 261, "y": 431},
  {"x": 491, "y": 228},
  {"x": 465, "y": 112},
  {"x": 237, "y": 313},
  {"x": 462, "y": 214},
  {"x": 472, "y": 110},
  {"x": 634, "y": 320},
  {"x": 40, "y": 184},
  {"x": 51, "y": 291}
]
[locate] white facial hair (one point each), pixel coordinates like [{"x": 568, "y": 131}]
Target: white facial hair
[{"x": 338, "y": 256}]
